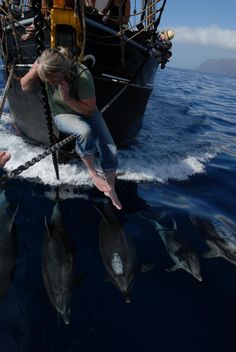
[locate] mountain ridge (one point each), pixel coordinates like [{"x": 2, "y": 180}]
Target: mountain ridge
[{"x": 225, "y": 67}]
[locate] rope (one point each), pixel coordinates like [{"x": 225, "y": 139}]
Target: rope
[
  {"x": 79, "y": 10},
  {"x": 28, "y": 164},
  {"x": 145, "y": 8},
  {"x": 157, "y": 22},
  {"x": 6, "y": 89},
  {"x": 12, "y": 25},
  {"x": 39, "y": 36},
  {"x": 12, "y": 19}
]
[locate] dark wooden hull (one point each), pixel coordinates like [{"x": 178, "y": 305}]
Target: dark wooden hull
[{"x": 122, "y": 89}]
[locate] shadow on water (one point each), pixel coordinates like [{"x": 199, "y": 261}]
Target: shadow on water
[{"x": 56, "y": 293}]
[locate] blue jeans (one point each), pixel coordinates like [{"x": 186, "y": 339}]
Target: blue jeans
[{"x": 92, "y": 134}]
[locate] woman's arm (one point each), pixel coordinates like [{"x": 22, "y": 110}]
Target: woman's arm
[
  {"x": 84, "y": 107},
  {"x": 30, "y": 79}
]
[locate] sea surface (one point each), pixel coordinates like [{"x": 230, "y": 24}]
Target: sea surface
[{"x": 178, "y": 190}]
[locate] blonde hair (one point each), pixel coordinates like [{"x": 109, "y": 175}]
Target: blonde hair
[{"x": 55, "y": 60}]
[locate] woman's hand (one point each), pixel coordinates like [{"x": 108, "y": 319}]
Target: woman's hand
[
  {"x": 35, "y": 66},
  {"x": 64, "y": 90},
  {"x": 84, "y": 107}
]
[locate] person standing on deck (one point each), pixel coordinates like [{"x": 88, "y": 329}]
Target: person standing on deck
[
  {"x": 119, "y": 12},
  {"x": 72, "y": 100}
]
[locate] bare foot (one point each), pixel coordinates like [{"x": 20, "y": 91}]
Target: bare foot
[
  {"x": 4, "y": 157},
  {"x": 115, "y": 201},
  {"x": 100, "y": 183}
]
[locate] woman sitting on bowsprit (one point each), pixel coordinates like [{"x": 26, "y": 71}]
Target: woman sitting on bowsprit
[
  {"x": 119, "y": 12},
  {"x": 71, "y": 96}
]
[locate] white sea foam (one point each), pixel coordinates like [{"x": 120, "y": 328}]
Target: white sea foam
[{"x": 153, "y": 159}]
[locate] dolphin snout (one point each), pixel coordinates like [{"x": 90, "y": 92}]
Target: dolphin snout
[
  {"x": 127, "y": 298},
  {"x": 198, "y": 276}
]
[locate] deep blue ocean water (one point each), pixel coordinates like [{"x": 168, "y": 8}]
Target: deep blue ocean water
[{"x": 182, "y": 164}]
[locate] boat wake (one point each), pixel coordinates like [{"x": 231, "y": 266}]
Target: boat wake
[{"x": 161, "y": 153}]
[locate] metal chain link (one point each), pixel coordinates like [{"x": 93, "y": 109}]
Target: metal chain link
[{"x": 28, "y": 164}]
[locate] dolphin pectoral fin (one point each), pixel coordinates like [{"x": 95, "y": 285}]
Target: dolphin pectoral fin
[
  {"x": 210, "y": 254},
  {"x": 159, "y": 216},
  {"x": 146, "y": 267},
  {"x": 173, "y": 268},
  {"x": 151, "y": 215}
]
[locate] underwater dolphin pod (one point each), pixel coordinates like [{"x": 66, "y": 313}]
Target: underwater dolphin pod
[
  {"x": 182, "y": 254},
  {"x": 216, "y": 231},
  {"x": 118, "y": 251}
]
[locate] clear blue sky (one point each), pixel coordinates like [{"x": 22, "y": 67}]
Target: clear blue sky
[{"x": 204, "y": 29}]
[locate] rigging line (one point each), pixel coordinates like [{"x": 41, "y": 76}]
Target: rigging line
[
  {"x": 135, "y": 35},
  {"x": 158, "y": 20},
  {"x": 107, "y": 106},
  {"x": 79, "y": 11},
  {"x": 7, "y": 86},
  {"x": 4, "y": 46},
  {"x": 12, "y": 26},
  {"x": 144, "y": 10},
  {"x": 139, "y": 13}
]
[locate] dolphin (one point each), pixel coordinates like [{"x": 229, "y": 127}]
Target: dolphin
[
  {"x": 178, "y": 249},
  {"x": 8, "y": 244},
  {"x": 220, "y": 236},
  {"x": 118, "y": 253},
  {"x": 58, "y": 263}
]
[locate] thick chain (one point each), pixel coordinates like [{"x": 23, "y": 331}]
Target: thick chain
[
  {"x": 28, "y": 164},
  {"x": 39, "y": 37}
]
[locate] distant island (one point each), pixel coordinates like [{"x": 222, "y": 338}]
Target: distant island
[{"x": 225, "y": 67}]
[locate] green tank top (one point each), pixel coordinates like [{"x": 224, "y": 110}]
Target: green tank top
[{"x": 81, "y": 86}]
